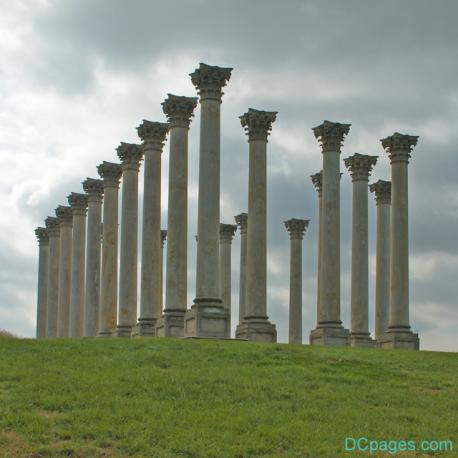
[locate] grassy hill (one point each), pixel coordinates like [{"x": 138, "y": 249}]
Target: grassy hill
[{"x": 197, "y": 398}]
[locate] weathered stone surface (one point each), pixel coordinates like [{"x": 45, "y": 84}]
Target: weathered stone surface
[
  {"x": 52, "y": 225},
  {"x": 42, "y": 293},
  {"x": 242, "y": 223}
]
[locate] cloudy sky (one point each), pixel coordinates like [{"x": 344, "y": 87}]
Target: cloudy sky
[{"x": 78, "y": 76}]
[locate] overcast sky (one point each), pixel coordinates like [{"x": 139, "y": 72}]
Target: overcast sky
[{"x": 78, "y": 76}]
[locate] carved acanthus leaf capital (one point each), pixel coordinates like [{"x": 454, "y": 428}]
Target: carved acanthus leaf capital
[
  {"x": 163, "y": 236},
  {"x": 130, "y": 155},
  {"x": 382, "y": 191},
  {"x": 64, "y": 215},
  {"x": 78, "y": 203},
  {"x": 93, "y": 187},
  {"x": 296, "y": 227},
  {"x": 110, "y": 173},
  {"x": 360, "y": 166},
  {"x": 226, "y": 232},
  {"x": 399, "y": 146},
  {"x": 258, "y": 123},
  {"x": 153, "y": 134},
  {"x": 242, "y": 222},
  {"x": 42, "y": 235},
  {"x": 209, "y": 80},
  {"x": 52, "y": 225},
  {"x": 179, "y": 110},
  {"x": 317, "y": 180},
  {"x": 331, "y": 135}
]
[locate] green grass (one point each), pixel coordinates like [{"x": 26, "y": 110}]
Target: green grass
[{"x": 197, "y": 398}]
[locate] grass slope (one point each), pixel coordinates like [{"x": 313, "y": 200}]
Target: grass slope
[{"x": 196, "y": 398}]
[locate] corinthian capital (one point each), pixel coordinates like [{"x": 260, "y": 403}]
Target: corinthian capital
[
  {"x": 226, "y": 232},
  {"x": 258, "y": 123},
  {"x": 64, "y": 215},
  {"x": 163, "y": 236},
  {"x": 52, "y": 225},
  {"x": 296, "y": 227},
  {"x": 242, "y": 222},
  {"x": 42, "y": 235},
  {"x": 93, "y": 187},
  {"x": 382, "y": 191},
  {"x": 110, "y": 173},
  {"x": 331, "y": 135},
  {"x": 399, "y": 146},
  {"x": 130, "y": 155},
  {"x": 209, "y": 80},
  {"x": 78, "y": 203},
  {"x": 317, "y": 180},
  {"x": 360, "y": 166},
  {"x": 153, "y": 134},
  {"x": 179, "y": 110}
]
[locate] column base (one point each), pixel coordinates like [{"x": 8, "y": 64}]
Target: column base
[
  {"x": 207, "y": 318},
  {"x": 170, "y": 324},
  {"x": 123, "y": 331},
  {"x": 362, "y": 339},
  {"x": 400, "y": 338},
  {"x": 333, "y": 334},
  {"x": 258, "y": 329},
  {"x": 104, "y": 335},
  {"x": 146, "y": 327}
]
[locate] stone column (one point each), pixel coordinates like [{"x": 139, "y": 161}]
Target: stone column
[
  {"x": 207, "y": 317},
  {"x": 179, "y": 111},
  {"x": 382, "y": 191},
  {"x": 64, "y": 214},
  {"x": 111, "y": 174},
  {"x": 399, "y": 334},
  {"x": 161, "y": 281},
  {"x": 52, "y": 226},
  {"x": 43, "y": 267},
  {"x": 296, "y": 229},
  {"x": 94, "y": 191},
  {"x": 226, "y": 234},
  {"x": 329, "y": 330},
  {"x": 256, "y": 325},
  {"x": 78, "y": 204},
  {"x": 360, "y": 167},
  {"x": 130, "y": 156},
  {"x": 153, "y": 135},
  {"x": 242, "y": 222}
]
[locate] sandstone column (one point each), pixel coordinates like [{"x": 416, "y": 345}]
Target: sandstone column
[
  {"x": 111, "y": 174},
  {"x": 179, "y": 111},
  {"x": 296, "y": 229},
  {"x": 64, "y": 214},
  {"x": 78, "y": 204},
  {"x": 130, "y": 156},
  {"x": 329, "y": 330},
  {"x": 153, "y": 135},
  {"x": 94, "y": 191},
  {"x": 43, "y": 267},
  {"x": 52, "y": 226},
  {"x": 256, "y": 325},
  {"x": 207, "y": 317},
  {"x": 382, "y": 191},
  {"x": 399, "y": 334},
  {"x": 242, "y": 222},
  {"x": 161, "y": 281},
  {"x": 360, "y": 167},
  {"x": 226, "y": 234}
]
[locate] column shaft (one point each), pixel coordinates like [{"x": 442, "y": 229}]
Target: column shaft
[
  {"x": 43, "y": 268},
  {"x": 52, "y": 225},
  {"x": 295, "y": 292},
  {"x": 242, "y": 221}
]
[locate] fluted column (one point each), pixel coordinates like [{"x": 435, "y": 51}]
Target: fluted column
[
  {"x": 52, "y": 226},
  {"x": 78, "y": 204},
  {"x": 382, "y": 191},
  {"x": 94, "y": 191},
  {"x": 111, "y": 174},
  {"x": 130, "y": 156},
  {"x": 399, "y": 334},
  {"x": 360, "y": 167},
  {"x": 179, "y": 111},
  {"x": 64, "y": 215},
  {"x": 153, "y": 135},
  {"x": 242, "y": 222},
  {"x": 43, "y": 267},
  {"x": 226, "y": 234},
  {"x": 329, "y": 330},
  {"x": 256, "y": 325}
]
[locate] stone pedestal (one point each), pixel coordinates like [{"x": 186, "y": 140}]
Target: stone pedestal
[
  {"x": 360, "y": 166},
  {"x": 209, "y": 81},
  {"x": 179, "y": 111},
  {"x": 43, "y": 267},
  {"x": 64, "y": 215},
  {"x": 382, "y": 190},
  {"x": 256, "y": 325},
  {"x": 296, "y": 229},
  {"x": 153, "y": 135},
  {"x": 94, "y": 191},
  {"x": 52, "y": 226},
  {"x": 78, "y": 204},
  {"x": 242, "y": 222},
  {"x": 111, "y": 174},
  {"x": 130, "y": 156},
  {"x": 399, "y": 334},
  {"x": 329, "y": 330}
]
